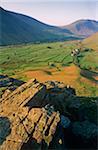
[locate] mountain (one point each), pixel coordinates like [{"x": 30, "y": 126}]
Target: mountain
[
  {"x": 92, "y": 41},
  {"x": 17, "y": 28},
  {"x": 83, "y": 28}
]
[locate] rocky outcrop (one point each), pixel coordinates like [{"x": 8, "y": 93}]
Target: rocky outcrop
[
  {"x": 26, "y": 120},
  {"x": 46, "y": 116}
]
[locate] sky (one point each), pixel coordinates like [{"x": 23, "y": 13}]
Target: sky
[{"x": 54, "y": 12}]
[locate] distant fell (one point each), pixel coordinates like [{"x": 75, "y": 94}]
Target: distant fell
[{"x": 83, "y": 28}]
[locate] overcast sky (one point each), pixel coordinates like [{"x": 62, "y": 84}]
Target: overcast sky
[{"x": 54, "y": 12}]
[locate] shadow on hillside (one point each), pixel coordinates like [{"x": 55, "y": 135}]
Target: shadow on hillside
[
  {"x": 9, "y": 83},
  {"x": 89, "y": 75},
  {"x": 6, "y": 81}
]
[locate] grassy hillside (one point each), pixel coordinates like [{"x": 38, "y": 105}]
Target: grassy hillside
[
  {"x": 92, "y": 41},
  {"x": 52, "y": 61},
  {"x": 89, "y": 60}
]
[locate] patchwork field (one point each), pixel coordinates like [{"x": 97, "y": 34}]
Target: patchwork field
[{"x": 53, "y": 61}]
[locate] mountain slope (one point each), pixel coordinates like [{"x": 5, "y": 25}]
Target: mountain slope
[
  {"x": 17, "y": 28},
  {"x": 92, "y": 41},
  {"x": 83, "y": 28}
]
